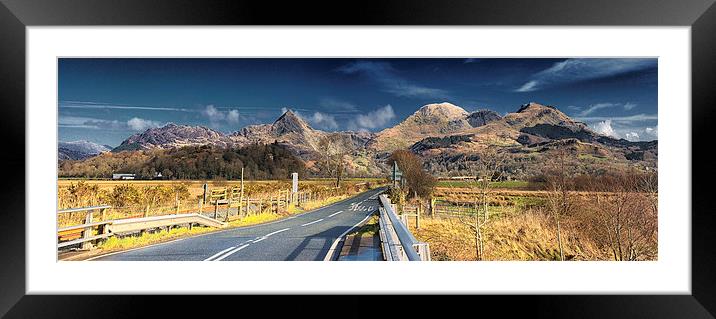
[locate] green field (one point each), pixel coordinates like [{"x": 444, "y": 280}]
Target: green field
[{"x": 503, "y": 184}]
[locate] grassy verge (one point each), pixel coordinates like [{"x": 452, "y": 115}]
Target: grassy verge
[
  {"x": 116, "y": 243},
  {"x": 370, "y": 228}
]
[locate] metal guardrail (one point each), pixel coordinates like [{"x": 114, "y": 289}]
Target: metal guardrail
[
  {"x": 108, "y": 228},
  {"x": 82, "y": 209},
  {"x": 142, "y": 223},
  {"x": 397, "y": 242},
  {"x": 87, "y": 235}
]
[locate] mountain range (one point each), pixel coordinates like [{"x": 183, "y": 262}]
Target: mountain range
[{"x": 448, "y": 138}]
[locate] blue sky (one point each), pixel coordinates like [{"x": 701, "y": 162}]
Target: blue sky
[{"x": 107, "y": 100}]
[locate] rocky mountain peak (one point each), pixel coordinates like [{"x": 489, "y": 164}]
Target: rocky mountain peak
[
  {"x": 173, "y": 135},
  {"x": 534, "y": 113},
  {"x": 290, "y": 122},
  {"x": 534, "y": 106},
  {"x": 482, "y": 117},
  {"x": 442, "y": 110}
]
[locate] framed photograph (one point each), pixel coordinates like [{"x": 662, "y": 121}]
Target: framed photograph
[{"x": 405, "y": 148}]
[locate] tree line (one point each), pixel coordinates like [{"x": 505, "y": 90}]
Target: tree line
[{"x": 260, "y": 161}]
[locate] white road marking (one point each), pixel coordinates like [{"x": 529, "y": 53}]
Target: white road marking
[
  {"x": 313, "y": 222},
  {"x": 231, "y": 252},
  {"x": 258, "y": 239},
  {"x": 335, "y": 243},
  {"x": 219, "y": 253},
  {"x": 278, "y": 231},
  {"x": 336, "y": 213}
]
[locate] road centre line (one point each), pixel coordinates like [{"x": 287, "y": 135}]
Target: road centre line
[
  {"x": 336, "y": 213},
  {"x": 231, "y": 252},
  {"x": 219, "y": 253},
  {"x": 313, "y": 222},
  {"x": 276, "y": 232}
]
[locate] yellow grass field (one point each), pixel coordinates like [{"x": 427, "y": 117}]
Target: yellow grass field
[{"x": 196, "y": 186}]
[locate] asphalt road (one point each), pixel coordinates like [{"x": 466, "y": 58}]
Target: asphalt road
[{"x": 307, "y": 236}]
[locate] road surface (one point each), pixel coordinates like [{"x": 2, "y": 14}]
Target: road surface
[{"x": 307, "y": 236}]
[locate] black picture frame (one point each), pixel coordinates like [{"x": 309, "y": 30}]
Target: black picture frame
[{"x": 16, "y": 15}]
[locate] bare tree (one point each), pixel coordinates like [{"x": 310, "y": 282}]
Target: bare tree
[
  {"x": 559, "y": 198},
  {"x": 624, "y": 216},
  {"x": 419, "y": 182},
  {"x": 488, "y": 169},
  {"x": 332, "y": 162}
]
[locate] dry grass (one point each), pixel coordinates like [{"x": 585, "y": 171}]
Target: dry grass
[
  {"x": 195, "y": 187},
  {"x": 521, "y": 236},
  {"x": 127, "y": 242}
]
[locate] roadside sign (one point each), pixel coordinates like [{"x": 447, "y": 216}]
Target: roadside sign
[
  {"x": 294, "y": 189},
  {"x": 397, "y": 174}
]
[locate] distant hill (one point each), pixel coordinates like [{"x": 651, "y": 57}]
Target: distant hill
[
  {"x": 172, "y": 136},
  {"x": 77, "y": 150},
  {"x": 448, "y": 138},
  {"x": 430, "y": 120}
]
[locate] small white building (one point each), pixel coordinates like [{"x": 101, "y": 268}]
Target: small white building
[{"x": 123, "y": 176}]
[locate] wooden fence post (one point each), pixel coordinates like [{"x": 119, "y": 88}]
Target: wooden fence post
[
  {"x": 432, "y": 207},
  {"x": 417, "y": 217},
  {"x": 87, "y": 233}
]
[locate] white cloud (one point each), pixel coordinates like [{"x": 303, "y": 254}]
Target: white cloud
[
  {"x": 572, "y": 70},
  {"x": 623, "y": 119},
  {"x": 632, "y": 136},
  {"x": 605, "y": 128},
  {"x": 113, "y": 106},
  {"x": 632, "y": 131},
  {"x": 652, "y": 133},
  {"x": 212, "y": 113},
  {"x": 284, "y": 110},
  {"x": 628, "y": 106},
  {"x": 528, "y": 87},
  {"x": 377, "y": 118},
  {"x": 217, "y": 117},
  {"x": 594, "y": 107},
  {"x": 323, "y": 120},
  {"x": 337, "y": 105},
  {"x": 138, "y": 124},
  {"x": 233, "y": 116},
  {"x": 133, "y": 124},
  {"x": 384, "y": 74}
]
